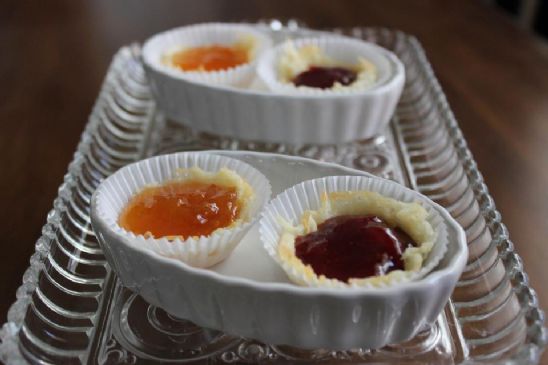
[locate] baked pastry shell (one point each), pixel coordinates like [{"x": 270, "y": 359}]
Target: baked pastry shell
[
  {"x": 343, "y": 51},
  {"x": 163, "y": 44},
  {"x": 290, "y": 205},
  {"x": 114, "y": 193}
]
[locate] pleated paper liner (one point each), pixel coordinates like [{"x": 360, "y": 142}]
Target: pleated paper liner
[
  {"x": 341, "y": 51},
  {"x": 291, "y": 204},
  {"x": 204, "y": 251},
  {"x": 162, "y": 45}
]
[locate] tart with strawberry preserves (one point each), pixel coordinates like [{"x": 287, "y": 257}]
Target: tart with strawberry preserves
[{"x": 356, "y": 238}]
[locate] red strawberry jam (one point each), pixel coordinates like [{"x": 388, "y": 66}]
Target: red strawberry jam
[
  {"x": 347, "y": 247},
  {"x": 325, "y": 77}
]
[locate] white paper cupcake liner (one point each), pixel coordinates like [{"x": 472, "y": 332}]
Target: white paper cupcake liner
[
  {"x": 206, "y": 34},
  {"x": 337, "y": 48},
  {"x": 115, "y": 192},
  {"x": 291, "y": 204}
]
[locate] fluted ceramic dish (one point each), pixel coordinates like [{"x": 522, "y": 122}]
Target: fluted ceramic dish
[
  {"x": 246, "y": 295},
  {"x": 258, "y": 114},
  {"x": 72, "y": 309}
]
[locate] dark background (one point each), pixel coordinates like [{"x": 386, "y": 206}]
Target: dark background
[
  {"x": 537, "y": 20},
  {"x": 54, "y": 55}
]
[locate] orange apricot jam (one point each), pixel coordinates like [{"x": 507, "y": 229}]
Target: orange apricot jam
[
  {"x": 210, "y": 58},
  {"x": 181, "y": 208}
]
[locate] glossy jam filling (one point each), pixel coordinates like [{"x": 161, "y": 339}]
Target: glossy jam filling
[
  {"x": 325, "y": 77},
  {"x": 210, "y": 58},
  {"x": 347, "y": 247},
  {"x": 187, "y": 208}
]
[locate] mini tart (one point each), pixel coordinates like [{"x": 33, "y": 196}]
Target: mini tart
[
  {"x": 159, "y": 50},
  {"x": 300, "y": 209},
  {"x": 246, "y": 44},
  {"x": 411, "y": 217},
  {"x": 279, "y": 66},
  {"x": 295, "y": 60},
  {"x": 224, "y": 177},
  {"x": 252, "y": 188}
]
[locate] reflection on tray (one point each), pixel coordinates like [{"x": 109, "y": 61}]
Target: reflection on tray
[{"x": 139, "y": 329}]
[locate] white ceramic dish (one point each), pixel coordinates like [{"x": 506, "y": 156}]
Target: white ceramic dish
[
  {"x": 249, "y": 295},
  {"x": 255, "y": 114}
]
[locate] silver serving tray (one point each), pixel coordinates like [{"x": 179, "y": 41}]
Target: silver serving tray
[{"x": 71, "y": 308}]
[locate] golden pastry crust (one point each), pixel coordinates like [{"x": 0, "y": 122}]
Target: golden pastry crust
[
  {"x": 246, "y": 42},
  {"x": 223, "y": 177},
  {"x": 295, "y": 60},
  {"x": 411, "y": 217}
]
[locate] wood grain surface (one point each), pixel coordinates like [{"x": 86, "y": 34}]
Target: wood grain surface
[{"x": 54, "y": 56}]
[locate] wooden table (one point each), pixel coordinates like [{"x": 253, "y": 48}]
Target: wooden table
[{"x": 54, "y": 58}]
